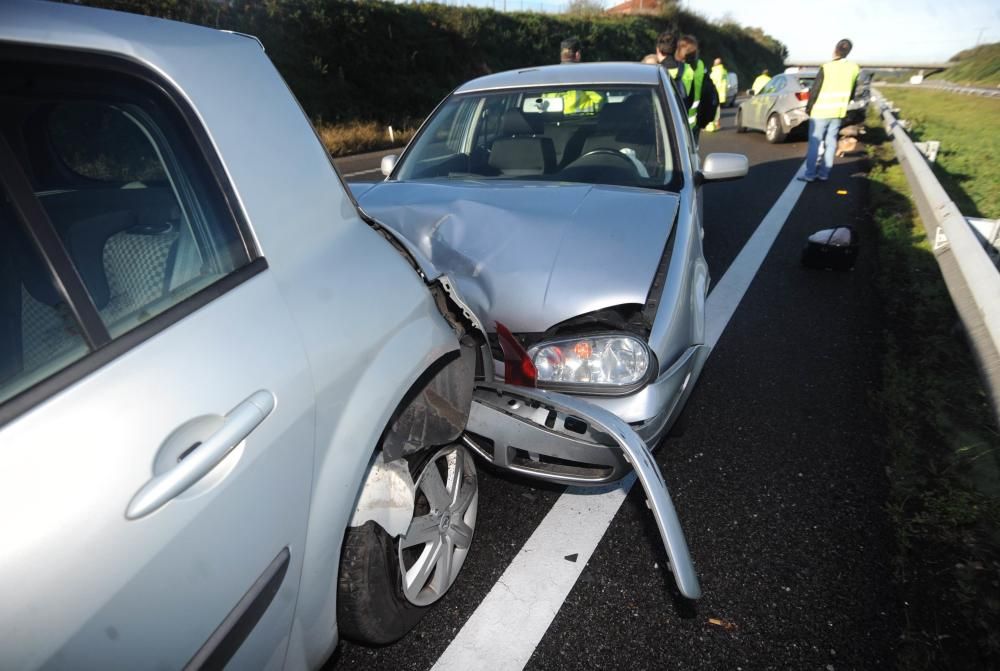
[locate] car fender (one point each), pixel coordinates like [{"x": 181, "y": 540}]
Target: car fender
[{"x": 342, "y": 461}]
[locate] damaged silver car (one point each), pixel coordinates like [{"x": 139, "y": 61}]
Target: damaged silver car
[
  {"x": 233, "y": 408},
  {"x": 564, "y": 202}
]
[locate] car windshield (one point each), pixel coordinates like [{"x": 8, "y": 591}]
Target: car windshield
[{"x": 594, "y": 134}]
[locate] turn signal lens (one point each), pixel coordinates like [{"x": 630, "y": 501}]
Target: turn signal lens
[
  {"x": 518, "y": 368},
  {"x": 615, "y": 360}
]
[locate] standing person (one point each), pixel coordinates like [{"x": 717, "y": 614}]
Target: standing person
[
  {"x": 666, "y": 51},
  {"x": 694, "y": 76},
  {"x": 831, "y": 91},
  {"x": 762, "y": 79},
  {"x": 575, "y": 101},
  {"x": 720, "y": 78},
  {"x": 569, "y": 50}
]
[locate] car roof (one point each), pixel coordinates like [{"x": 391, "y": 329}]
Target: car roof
[
  {"x": 566, "y": 75},
  {"x": 801, "y": 72},
  {"x": 94, "y": 29}
]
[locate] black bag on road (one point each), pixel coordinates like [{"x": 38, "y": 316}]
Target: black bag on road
[{"x": 834, "y": 248}]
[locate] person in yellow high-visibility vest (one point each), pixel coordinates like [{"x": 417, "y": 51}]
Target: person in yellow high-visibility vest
[
  {"x": 762, "y": 79},
  {"x": 666, "y": 52},
  {"x": 720, "y": 78},
  {"x": 829, "y": 96},
  {"x": 575, "y": 101},
  {"x": 694, "y": 75}
]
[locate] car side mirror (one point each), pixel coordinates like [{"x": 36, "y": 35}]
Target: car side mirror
[
  {"x": 388, "y": 163},
  {"x": 721, "y": 167}
]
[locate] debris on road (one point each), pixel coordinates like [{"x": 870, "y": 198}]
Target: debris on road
[{"x": 724, "y": 624}]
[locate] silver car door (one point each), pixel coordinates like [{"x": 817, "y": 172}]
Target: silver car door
[
  {"x": 769, "y": 98},
  {"x": 761, "y": 103},
  {"x": 156, "y": 408}
]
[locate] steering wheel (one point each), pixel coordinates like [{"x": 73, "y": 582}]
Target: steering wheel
[
  {"x": 633, "y": 162},
  {"x": 609, "y": 152}
]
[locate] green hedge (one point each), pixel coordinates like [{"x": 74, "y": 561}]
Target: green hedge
[{"x": 389, "y": 62}]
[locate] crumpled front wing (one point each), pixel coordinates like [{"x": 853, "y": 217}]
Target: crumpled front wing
[{"x": 509, "y": 416}]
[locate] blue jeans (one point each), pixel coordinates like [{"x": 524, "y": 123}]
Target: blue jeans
[{"x": 821, "y": 130}]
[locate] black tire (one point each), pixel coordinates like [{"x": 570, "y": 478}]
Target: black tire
[
  {"x": 371, "y": 606},
  {"x": 740, "y": 128},
  {"x": 773, "y": 130}
]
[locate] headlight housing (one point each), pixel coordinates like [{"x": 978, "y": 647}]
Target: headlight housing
[{"x": 610, "y": 363}]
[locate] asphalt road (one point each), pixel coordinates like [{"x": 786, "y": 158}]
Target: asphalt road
[{"x": 778, "y": 479}]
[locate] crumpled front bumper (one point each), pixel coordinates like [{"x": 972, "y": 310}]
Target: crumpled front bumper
[
  {"x": 512, "y": 416},
  {"x": 565, "y": 460}
]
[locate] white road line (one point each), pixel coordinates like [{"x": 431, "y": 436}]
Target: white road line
[
  {"x": 361, "y": 172},
  {"x": 507, "y": 626},
  {"x": 723, "y": 300}
]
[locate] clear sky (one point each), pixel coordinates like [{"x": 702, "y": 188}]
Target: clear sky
[{"x": 884, "y": 30}]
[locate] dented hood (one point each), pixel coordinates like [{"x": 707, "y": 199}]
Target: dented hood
[{"x": 530, "y": 254}]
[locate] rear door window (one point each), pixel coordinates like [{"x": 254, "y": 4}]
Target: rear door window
[
  {"x": 38, "y": 333},
  {"x": 130, "y": 199}
]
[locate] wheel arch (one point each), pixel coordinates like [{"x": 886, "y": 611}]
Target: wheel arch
[{"x": 408, "y": 362}]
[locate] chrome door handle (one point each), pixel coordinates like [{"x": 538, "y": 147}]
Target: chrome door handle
[{"x": 201, "y": 459}]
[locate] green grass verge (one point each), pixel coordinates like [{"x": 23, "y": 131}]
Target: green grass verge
[
  {"x": 943, "y": 445},
  {"x": 968, "y": 127}
]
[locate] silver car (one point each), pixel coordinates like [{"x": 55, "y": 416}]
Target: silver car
[
  {"x": 232, "y": 408},
  {"x": 779, "y": 108},
  {"x": 564, "y": 203}
]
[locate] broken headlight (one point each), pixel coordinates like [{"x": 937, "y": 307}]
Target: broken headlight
[{"x": 609, "y": 363}]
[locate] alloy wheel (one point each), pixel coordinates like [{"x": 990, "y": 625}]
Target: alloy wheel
[
  {"x": 772, "y": 127},
  {"x": 435, "y": 545}
]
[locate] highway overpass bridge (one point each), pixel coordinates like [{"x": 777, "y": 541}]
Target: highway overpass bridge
[{"x": 928, "y": 67}]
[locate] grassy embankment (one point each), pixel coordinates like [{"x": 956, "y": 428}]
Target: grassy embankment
[
  {"x": 357, "y": 137},
  {"x": 974, "y": 67},
  {"x": 943, "y": 444}
]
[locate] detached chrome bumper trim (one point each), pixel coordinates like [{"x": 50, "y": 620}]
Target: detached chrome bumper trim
[{"x": 510, "y": 416}]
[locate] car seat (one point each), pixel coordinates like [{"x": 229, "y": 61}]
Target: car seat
[{"x": 518, "y": 151}]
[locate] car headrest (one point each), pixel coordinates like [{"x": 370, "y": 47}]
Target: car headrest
[
  {"x": 523, "y": 155},
  {"x": 629, "y": 112},
  {"x": 85, "y": 242},
  {"x": 513, "y": 122}
]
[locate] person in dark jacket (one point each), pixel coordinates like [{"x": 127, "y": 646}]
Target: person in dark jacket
[
  {"x": 666, "y": 49},
  {"x": 569, "y": 50}
]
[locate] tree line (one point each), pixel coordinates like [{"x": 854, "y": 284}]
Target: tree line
[{"x": 374, "y": 60}]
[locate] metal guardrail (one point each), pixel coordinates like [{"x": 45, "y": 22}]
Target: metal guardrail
[{"x": 972, "y": 279}]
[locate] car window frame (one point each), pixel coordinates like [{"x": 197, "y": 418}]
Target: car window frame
[{"x": 31, "y": 217}]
